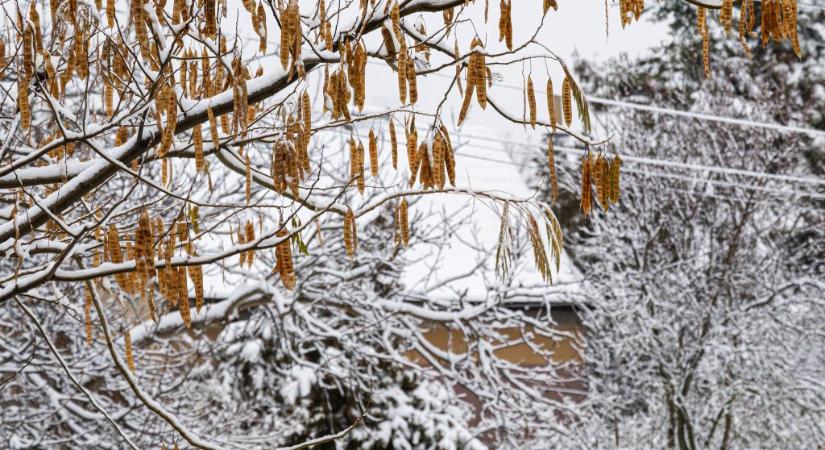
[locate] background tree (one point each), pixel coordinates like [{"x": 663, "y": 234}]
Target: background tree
[{"x": 703, "y": 295}]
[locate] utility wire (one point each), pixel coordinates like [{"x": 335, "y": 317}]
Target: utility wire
[
  {"x": 752, "y": 187},
  {"x": 680, "y": 113},
  {"x": 668, "y": 111},
  {"x": 643, "y": 161},
  {"x": 678, "y": 177},
  {"x": 647, "y": 161},
  {"x": 660, "y": 162},
  {"x": 707, "y": 117}
]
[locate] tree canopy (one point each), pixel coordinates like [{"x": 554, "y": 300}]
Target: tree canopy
[{"x": 205, "y": 222}]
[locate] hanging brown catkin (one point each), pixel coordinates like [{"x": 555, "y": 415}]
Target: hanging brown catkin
[
  {"x": 585, "y": 195},
  {"x": 361, "y": 181},
  {"x": 615, "y": 174},
  {"x": 283, "y": 257},
  {"x": 373, "y": 149},
  {"x": 130, "y": 359},
  {"x": 250, "y": 236},
  {"x": 531, "y": 101},
  {"x": 403, "y": 222},
  {"x": 197, "y": 137},
  {"x": 87, "y": 313},
  {"x": 411, "y": 80},
  {"x": 551, "y": 162},
  {"x": 480, "y": 73},
  {"x": 350, "y": 242},
  {"x": 412, "y": 143},
  {"x": 551, "y": 104},
  {"x": 393, "y": 144},
  {"x": 567, "y": 100},
  {"x": 213, "y": 130},
  {"x": 306, "y": 112}
]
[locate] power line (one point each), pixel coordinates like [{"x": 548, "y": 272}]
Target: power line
[
  {"x": 664, "y": 162},
  {"x": 674, "y": 177},
  {"x": 669, "y": 111},
  {"x": 652, "y": 161},
  {"x": 813, "y": 195},
  {"x": 680, "y": 113},
  {"x": 752, "y": 187},
  {"x": 707, "y": 117},
  {"x": 727, "y": 184}
]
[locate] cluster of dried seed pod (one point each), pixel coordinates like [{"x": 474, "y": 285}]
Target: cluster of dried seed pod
[
  {"x": 291, "y": 37},
  {"x": 357, "y": 72},
  {"x": 172, "y": 280},
  {"x": 144, "y": 252},
  {"x": 604, "y": 174},
  {"x": 434, "y": 162},
  {"x": 325, "y": 27},
  {"x": 337, "y": 94},
  {"x": 259, "y": 24},
  {"x": 196, "y": 274},
  {"x": 477, "y": 79},
  {"x": 290, "y": 164},
  {"x": 290, "y": 157},
  {"x": 166, "y": 103},
  {"x": 539, "y": 254},
  {"x": 210, "y": 16},
  {"x": 505, "y": 24},
  {"x": 504, "y": 245},
  {"x": 239, "y": 95},
  {"x": 114, "y": 254},
  {"x": 779, "y": 22},
  {"x": 630, "y": 10}
]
